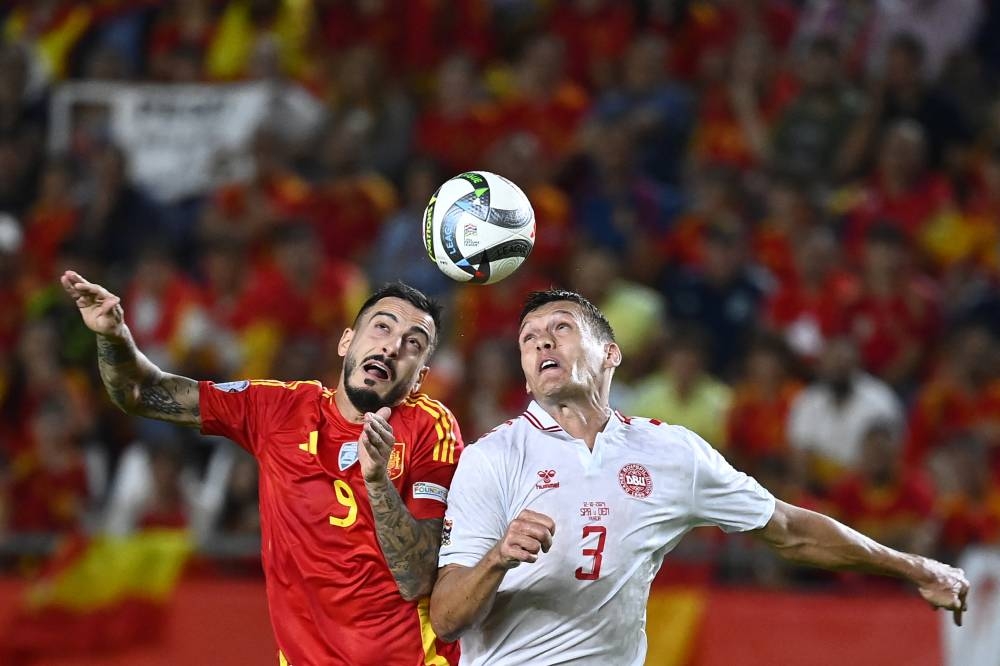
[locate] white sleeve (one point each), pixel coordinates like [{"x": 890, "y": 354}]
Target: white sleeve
[
  {"x": 723, "y": 496},
  {"x": 476, "y": 517}
]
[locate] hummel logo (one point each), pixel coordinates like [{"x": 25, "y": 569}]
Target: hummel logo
[{"x": 546, "y": 476}]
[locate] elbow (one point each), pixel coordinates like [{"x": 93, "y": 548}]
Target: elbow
[
  {"x": 447, "y": 631},
  {"x": 413, "y": 593}
]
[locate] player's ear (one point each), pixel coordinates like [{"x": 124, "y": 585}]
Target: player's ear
[
  {"x": 345, "y": 342},
  {"x": 415, "y": 387},
  {"x": 527, "y": 389},
  {"x": 612, "y": 355}
]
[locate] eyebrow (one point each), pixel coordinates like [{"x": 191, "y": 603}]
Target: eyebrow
[
  {"x": 565, "y": 312},
  {"x": 413, "y": 329}
]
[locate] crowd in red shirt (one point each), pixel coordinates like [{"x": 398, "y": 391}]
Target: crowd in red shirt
[{"x": 768, "y": 172}]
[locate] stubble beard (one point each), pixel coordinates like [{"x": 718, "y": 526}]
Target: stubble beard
[{"x": 366, "y": 399}]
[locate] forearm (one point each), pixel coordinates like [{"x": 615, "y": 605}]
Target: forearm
[
  {"x": 138, "y": 387},
  {"x": 463, "y": 596},
  {"x": 809, "y": 538},
  {"x": 410, "y": 546}
]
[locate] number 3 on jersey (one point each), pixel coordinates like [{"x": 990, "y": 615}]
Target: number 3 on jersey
[
  {"x": 346, "y": 498},
  {"x": 595, "y": 566}
]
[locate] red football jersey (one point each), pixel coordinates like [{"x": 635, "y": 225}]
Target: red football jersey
[{"x": 331, "y": 596}]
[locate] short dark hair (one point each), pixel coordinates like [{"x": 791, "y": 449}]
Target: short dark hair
[
  {"x": 594, "y": 317},
  {"x": 411, "y": 295}
]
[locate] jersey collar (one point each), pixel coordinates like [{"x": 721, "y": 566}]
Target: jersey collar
[{"x": 542, "y": 420}]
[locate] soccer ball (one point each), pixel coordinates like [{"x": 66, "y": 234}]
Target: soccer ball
[{"x": 479, "y": 227}]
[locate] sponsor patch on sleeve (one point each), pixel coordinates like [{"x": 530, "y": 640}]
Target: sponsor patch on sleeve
[
  {"x": 431, "y": 491},
  {"x": 232, "y": 387}
]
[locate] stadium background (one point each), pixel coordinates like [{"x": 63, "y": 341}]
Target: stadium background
[{"x": 790, "y": 210}]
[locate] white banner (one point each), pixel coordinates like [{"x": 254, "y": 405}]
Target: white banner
[
  {"x": 180, "y": 140},
  {"x": 977, "y": 641}
]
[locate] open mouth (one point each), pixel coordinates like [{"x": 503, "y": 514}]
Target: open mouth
[
  {"x": 377, "y": 370},
  {"x": 547, "y": 364}
]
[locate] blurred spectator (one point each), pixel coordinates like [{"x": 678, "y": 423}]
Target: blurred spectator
[
  {"x": 239, "y": 513},
  {"x": 48, "y": 485},
  {"x": 162, "y": 300},
  {"x": 658, "y": 113},
  {"x": 351, "y": 200},
  {"x": 968, "y": 502},
  {"x": 738, "y": 109},
  {"x": 458, "y": 120},
  {"x": 723, "y": 297},
  {"x": 810, "y": 308},
  {"x": 494, "y": 387},
  {"x": 596, "y": 33},
  {"x": 398, "y": 252},
  {"x": 22, "y": 128},
  {"x": 904, "y": 92},
  {"x": 716, "y": 198},
  {"x": 52, "y": 28},
  {"x": 831, "y": 417},
  {"x": 179, "y": 40},
  {"x": 881, "y": 498},
  {"x": 682, "y": 392},
  {"x": 542, "y": 99},
  {"x": 117, "y": 217},
  {"x": 896, "y": 313},
  {"x": 940, "y": 27},
  {"x": 961, "y": 399},
  {"x": 616, "y": 205},
  {"x": 756, "y": 421},
  {"x": 12, "y": 288},
  {"x": 637, "y": 313},
  {"x": 902, "y": 191},
  {"x": 52, "y": 219},
  {"x": 521, "y": 154},
  {"x": 788, "y": 216},
  {"x": 849, "y": 22},
  {"x": 809, "y": 135},
  {"x": 301, "y": 294},
  {"x": 369, "y": 105},
  {"x": 250, "y": 211},
  {"x": 246, "y": 25}
]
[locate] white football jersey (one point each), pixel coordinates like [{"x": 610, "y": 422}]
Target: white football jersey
[{"x": 618, "y": 510}]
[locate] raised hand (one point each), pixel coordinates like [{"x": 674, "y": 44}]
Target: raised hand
[
  {"x": 526, "y": 536},
  {"x": 945, "y": 587},
  {"x": 101, "y": 310},
  {"x": 375, "y": 445}
]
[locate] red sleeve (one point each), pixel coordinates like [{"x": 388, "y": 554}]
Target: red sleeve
[
  {"x": 437, "y": 448},
  {"x": 249, "y": 411}
]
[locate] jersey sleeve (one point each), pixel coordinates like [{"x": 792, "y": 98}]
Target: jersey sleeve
[
  {"x": 249, "y": 411},
  {"x": 440, "y": 449},
  {"x": 476, "y": 518},
  {"x": 723, "y": 496}
]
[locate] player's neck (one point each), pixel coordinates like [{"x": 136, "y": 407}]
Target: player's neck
[{"x": 582, "y": 420}]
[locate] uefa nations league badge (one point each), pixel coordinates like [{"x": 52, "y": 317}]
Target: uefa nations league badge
[{"x": 348, "y": 455}]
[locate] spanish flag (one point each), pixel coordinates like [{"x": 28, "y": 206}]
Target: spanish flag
[{"x": 98, "y": 595}]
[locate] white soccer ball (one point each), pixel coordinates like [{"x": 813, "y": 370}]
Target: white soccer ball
[{"x": 479, "y": 227}]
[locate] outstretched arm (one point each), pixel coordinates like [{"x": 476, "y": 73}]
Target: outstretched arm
[
  {"x": 134, "y": 383},
  {"x": 806, "y": 537}
]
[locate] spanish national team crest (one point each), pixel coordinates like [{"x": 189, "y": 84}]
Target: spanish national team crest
[
  {"x": 635, "y": 480},
  {"x": 348, "y": 455},
  {"x": 395, "y": 465}
]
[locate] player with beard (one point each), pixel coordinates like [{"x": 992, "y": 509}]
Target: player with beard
[{"x": 353, "y": 481}]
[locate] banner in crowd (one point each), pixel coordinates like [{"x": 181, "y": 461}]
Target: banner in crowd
[
  {"x": 977, "y": 641},
  {"x": 179, "y": 140}
]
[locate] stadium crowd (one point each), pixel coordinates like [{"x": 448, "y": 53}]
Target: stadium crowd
[{"x": 789, "y": 211}]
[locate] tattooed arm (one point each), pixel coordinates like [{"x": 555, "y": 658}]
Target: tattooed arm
[
  {"x": 134, "y": 383},
  {"x": 410, "y": 546}
]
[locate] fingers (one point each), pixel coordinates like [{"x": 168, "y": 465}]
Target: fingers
[
  {"x": 540, "y": 518},
  {"x": 384, "y": 413},
  {"x": 378, "y": 429}
]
